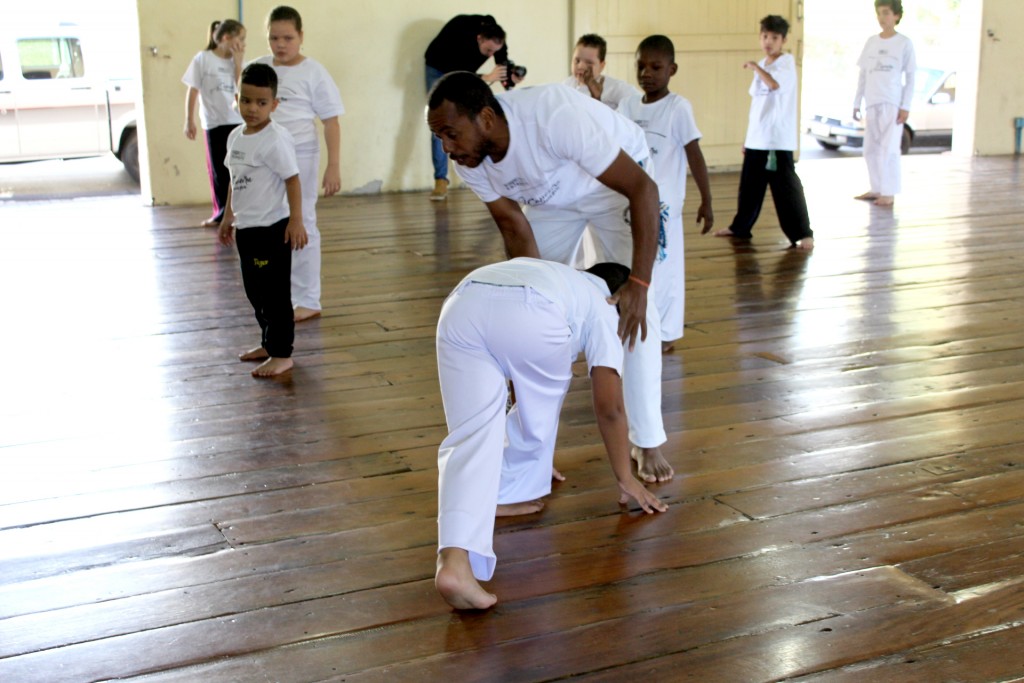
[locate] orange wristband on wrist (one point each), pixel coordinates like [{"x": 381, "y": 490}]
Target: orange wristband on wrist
[{"x": 637, "y": 280}]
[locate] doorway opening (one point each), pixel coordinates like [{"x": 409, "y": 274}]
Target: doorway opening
[
  {"x": 834, "y": 34},
  {"x": 70, "y": 114}
]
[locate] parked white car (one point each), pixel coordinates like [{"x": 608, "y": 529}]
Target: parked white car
[
  {"x": 930, "y": 123},
  {"x": 55, "y": 103}
]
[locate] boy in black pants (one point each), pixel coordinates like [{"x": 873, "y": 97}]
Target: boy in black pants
[
  {"x": 265, "y": 206},
  {"x": 771, "y": 141}
]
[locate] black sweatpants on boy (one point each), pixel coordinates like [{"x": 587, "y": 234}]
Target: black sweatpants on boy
[
  {"x": 220, "y": 176},
  {"x": 787, "y": 192},
  {"x": 266, "y": 274}
]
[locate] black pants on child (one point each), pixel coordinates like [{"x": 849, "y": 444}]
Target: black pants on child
[
  {"x": 220, "y": 177},
  {"x": 787, "y": 192},
  {"x": 266, "y": 274}
]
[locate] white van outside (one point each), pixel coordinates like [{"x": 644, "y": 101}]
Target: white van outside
[
  {"x": 57, "y": 101},
  {"x": 930, "y": 123}
]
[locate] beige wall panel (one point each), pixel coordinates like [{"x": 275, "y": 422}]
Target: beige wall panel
[
  {"x": 712, "y": 37},
  {"x": 990, "y": 91},
  {"x": 170, "y": 34},
  {"x": 374, "y": 51}
]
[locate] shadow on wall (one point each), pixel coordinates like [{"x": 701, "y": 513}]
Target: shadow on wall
[{"x": 413, "y": 138}]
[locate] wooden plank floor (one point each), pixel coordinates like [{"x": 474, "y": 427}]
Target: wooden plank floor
[{"x": 847, "y": 426}]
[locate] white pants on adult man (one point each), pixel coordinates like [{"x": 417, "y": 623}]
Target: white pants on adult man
[
  {"x": 882, "y": 140},
  {"x": 558, "y": 233}
]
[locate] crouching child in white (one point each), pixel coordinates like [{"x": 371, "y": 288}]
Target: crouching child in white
[{"x": 524, "y": 320}]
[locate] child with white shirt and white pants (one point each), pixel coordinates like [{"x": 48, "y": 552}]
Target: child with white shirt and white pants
[
  {"x": 307, "y": 92},
  {"x": 886, "y": 87},
  {"x": 668, "y": 123}
]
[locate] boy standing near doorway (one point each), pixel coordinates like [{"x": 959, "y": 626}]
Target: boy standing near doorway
[{"x": 886, "y": 87}]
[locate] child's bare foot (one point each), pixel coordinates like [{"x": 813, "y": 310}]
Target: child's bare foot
[
  {"x": 514, "y": 509},
  {"x": 556, "y": 475},
  {"x": 884, "y": 200},
  {"x": 303, "y": 313},
  {"x": 667, "y": 346},
  {"x": 868, "y": 196},
  {"x": 806, "y": 244},
  {"x": 726, "y": 232},
  {"x": 455, "y": 582},
  {"x": 209, "y": 223},
  {"x": 258, "y": 353},
  {"x": 272, "y": 367},
  {"x": 651, "y": 465}
]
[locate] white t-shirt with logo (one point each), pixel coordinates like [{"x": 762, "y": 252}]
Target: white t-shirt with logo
[
  {"x": 214, "y": 78},
  {"x": 613, "y": 92},
  {"x": 669, "y": 126},
  {"x": 887, "y": 70},
  {"x": 259, "y": 165},
  {"x": 307, "y": 92},
  {"x": 559, "y": 142},
  {"x": 592, "y": 321},
  {"x": 772, "y": 122}
]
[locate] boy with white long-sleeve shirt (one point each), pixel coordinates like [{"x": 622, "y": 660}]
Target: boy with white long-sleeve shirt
[{"x": 886, "y": 87}]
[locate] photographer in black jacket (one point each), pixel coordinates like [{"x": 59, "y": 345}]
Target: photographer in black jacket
[{"x": 464, "y": 44}]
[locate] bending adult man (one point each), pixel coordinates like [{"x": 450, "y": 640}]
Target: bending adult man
[
  {"x": 464, "y": 44},
  {"x": 572, "y": 162}
]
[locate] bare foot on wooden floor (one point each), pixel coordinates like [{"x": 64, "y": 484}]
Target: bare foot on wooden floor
[
  {"x": 513, "y": 509},
  {"x": 556, "y": 475},
  {"x": 806, "y": 244},
  {"x": 885, "y": 200},
  {"x": 726, "y": 232},
  {"x": 302, "y": 313},
  {"x": 651, "y": 465},
  {"x": 455, "y": 582},
  {"x": 272, "y": 367},
  {"x": 258, "y": 353},
  {"x": 868, "y": 196}
]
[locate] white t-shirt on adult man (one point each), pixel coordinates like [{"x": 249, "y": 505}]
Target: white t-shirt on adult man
[{"x": 560, "y": 141}]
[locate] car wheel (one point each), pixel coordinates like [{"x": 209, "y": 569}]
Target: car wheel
[
  {"x": 828, "y": 145},
  {"x": 129, "y": 153},
  {"x": 905, "y": 141}
]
